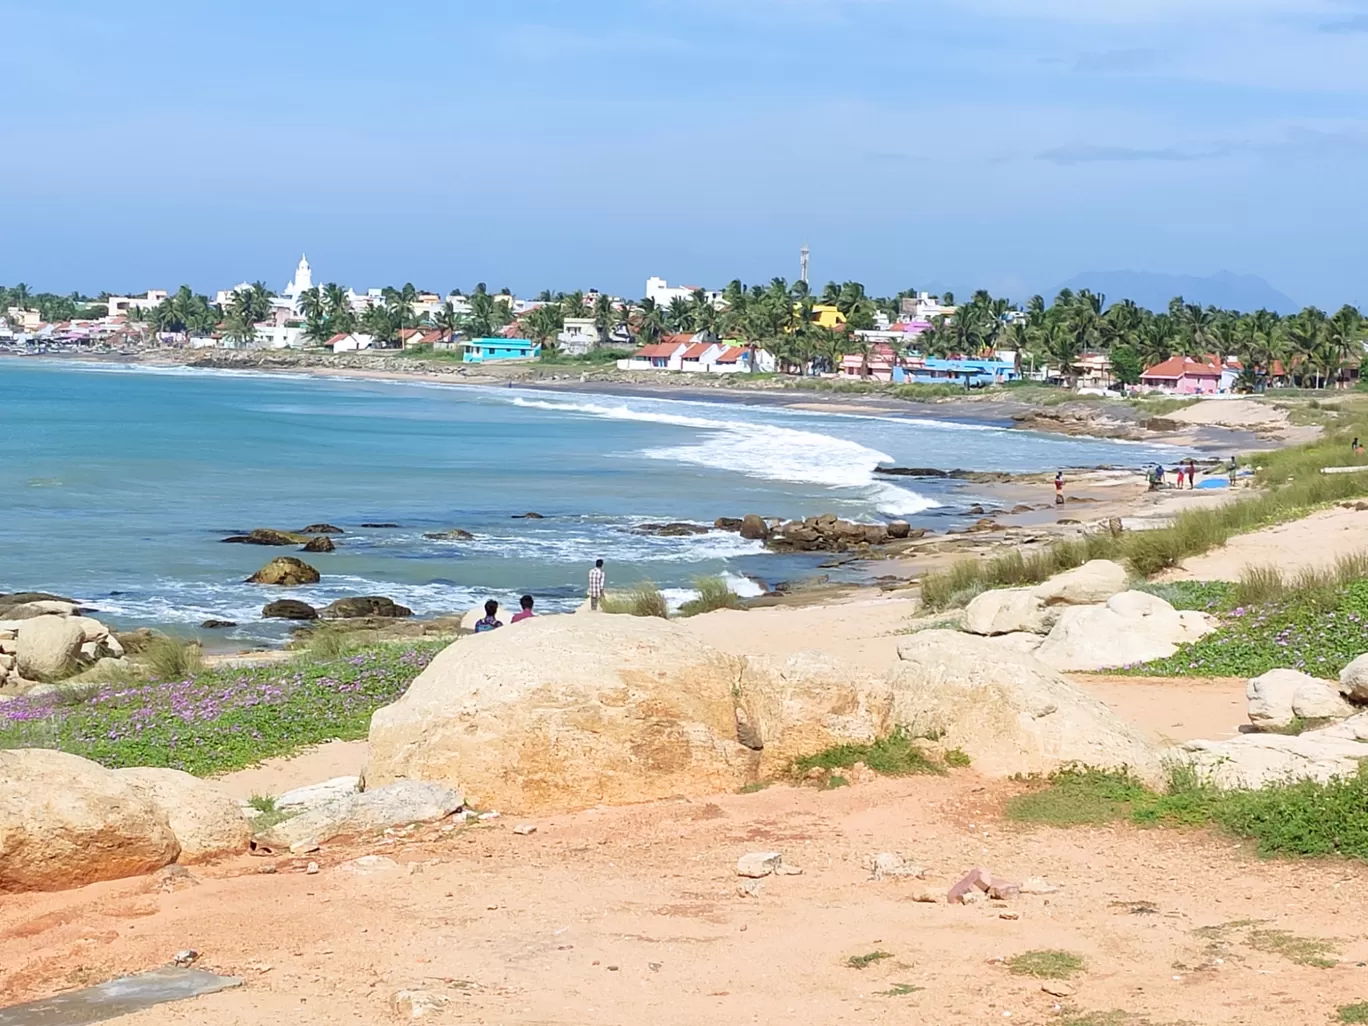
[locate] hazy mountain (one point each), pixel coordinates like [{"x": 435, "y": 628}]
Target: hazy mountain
[{"x": 1243, "y": 292}]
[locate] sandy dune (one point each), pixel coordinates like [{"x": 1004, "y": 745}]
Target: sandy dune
[{"x": 1316, "y": 541}]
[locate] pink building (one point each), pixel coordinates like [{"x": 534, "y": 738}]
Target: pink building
[{"x": 1183, "y": 375}]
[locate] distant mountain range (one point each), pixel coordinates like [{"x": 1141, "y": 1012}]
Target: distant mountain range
[{"x": 1244, "y": 292}]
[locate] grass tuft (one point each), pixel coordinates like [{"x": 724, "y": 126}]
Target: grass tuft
[
  {"x": 865, "y": 961},
  {"x": 904, "y": 989},
  {"x": 713, "y": 593},
  {"x": 263, "y": 803},
  {"x": 896, "y": 755},
  {"x": 1354, "y": 1014},
  {"x": 643, "y": 600},
  {"x": 1312, "y": 951},
  {"x": 1046, "y": 964},
  {"x": 172, "y": 659}
]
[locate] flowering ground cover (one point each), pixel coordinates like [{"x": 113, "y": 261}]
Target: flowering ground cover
[
  {"x": 1313, "y": 632},
  {"x": 220, "y": 720}
]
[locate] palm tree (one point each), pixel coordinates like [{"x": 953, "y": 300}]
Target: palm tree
[
  {"x": 603, "y": 316},
  {"x": 652, "y": 325},
  {"x": 543, "y": 325},
  {"x": 1063, "y": 343},
  {"x": 447, "y": 321},
  {"x": 572, "y": 303}
]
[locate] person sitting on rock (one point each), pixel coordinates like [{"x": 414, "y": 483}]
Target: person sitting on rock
[
  {"x": 491, "y": 619},
  {"x": 526, "y": 602}
]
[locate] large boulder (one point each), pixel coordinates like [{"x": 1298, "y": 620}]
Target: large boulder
[
  {"x": 570, "y": 712},
  {"x": 1280, "y": 697},
  {"x": 49, "y": 647},
  {"x": 270, "y": 536},
  {"x": 40, "y": 607},
  {"x": 66, "y": 822},
  {"x": 206, "y": 820},
  {"x": 322, "y": 543},
  {"x": 370, "y": 605},
  {"x": 400, "y": 804},
  {"x": 1353, "y": 680},
  {"x": 754, "y": 527},
  {"x": 285, "y": 572},
  {"x": 1007, "y": 710},
  {"x": 1089, "y": 584},
  {"x": 289, "y": 609},
  {"x": 1131, "y": 628},
  {"x": 1007, "y": 611},
  {"x": 1258, "y": 760}
]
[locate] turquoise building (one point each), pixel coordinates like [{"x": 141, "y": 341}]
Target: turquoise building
[{"x": 484, "y": 350}]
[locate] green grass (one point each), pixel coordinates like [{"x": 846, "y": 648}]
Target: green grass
[
  {"x": 215, "y": 721},
  {"x": 263, "y": 803},
  {"x": 904, "y": 989},
  {"x": 171, "y": 658},
  {"x": 1046, "y": 964},
  {"x": 713, "y": 593},
  {"x": 1318, "y": 628},
  {"x": 1311, "y": 951},
  {"x": 1293, "y": 486},
  {"x": 595, "y": 358},
  {"x": 1304, "y": 818},
  {"x": 643, "y": 600},
  {"x": 896, "y": 755},
  {"x": 1202, "y": 596},
  {"x": 865, "y": 961},
  {"x": 957, "y": 758},
  {"x": 1355, "y": 1014}
]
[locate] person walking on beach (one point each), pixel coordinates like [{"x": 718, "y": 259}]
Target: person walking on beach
[
  {"x": 525, "y": 613},
  {"x": 1233, "y": 469},
  {"x": 1192, "y": 473},
  {"x": 596, "y": 580},
  {"x": 1059, "y": 488},
  {"x": 491, "y": 619}
]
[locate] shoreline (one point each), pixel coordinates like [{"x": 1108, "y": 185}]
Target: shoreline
[{"x": 1104, "y": 420}]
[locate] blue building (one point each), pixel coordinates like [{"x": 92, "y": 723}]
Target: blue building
[
  {"x": 971, "y": 373},
  {"x": 481, "y": 350}
]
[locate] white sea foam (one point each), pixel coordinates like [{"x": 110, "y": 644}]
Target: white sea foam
[{"x": 759, "y": 449}]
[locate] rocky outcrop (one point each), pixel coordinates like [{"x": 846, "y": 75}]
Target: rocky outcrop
[
  {"x": 322, "y": 529},
  {"x": 66, "y": 822},
  {"x": 528, "y": 516},
  {"x": 1037, "y": 609},
  {"x": 676, "y": 529},
  {"x": 371, "y": 605},
  {"x": 321, "y": 544},
  {"x": 1007, "y": 611},
  {"x": 1279, "y": 698},
  {"x": 269, "y": 536},
  {"x": 1131, "y": 628},
  {"x": 1007, "y": 710},
  {"x": 289, "y": 609},
  {"x": 205, "y": 820},
  {"x": 754, "y": 528},
  {"x": 828, "y": 533},
  {"x": 398, "y": 804},
  {"x": 217, "y": 625},
  {"x": 1093, "y": 582},
  {"x": 571, "y": 712},
  {"x": 285, "y": 572},
  {"x": 455, "y": 534},
  {"x": 1259, "y": 760}
]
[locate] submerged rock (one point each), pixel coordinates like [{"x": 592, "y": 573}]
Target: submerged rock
[
  {"x": 322, "y": 529},
  {"x": 269, "y": 536},
  {"x": 217, "y": 625},
  {"x": 671, "y": 530},
  {"x": 320, "y": 544},
  {"x": 380, "y": 527},
  {"x": 455, "y": 534},
  {"x": 285, "y": 572},
  {"x": 528, "y": 516}
]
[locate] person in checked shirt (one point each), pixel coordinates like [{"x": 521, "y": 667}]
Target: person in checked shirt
[{"x": 596, "y": 578}]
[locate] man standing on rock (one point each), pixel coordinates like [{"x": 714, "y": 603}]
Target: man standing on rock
[{"x": 596, "y": 579}]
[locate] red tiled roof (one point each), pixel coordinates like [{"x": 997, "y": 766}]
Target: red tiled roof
[
  {"x": 1181, "y": 366},
  {"x": 680, "y": 340},
  {"x": 696, "y": 351},
  {"x": 336, "y": 339},
  {"x": 730, "y": 355},
  {"x": 659, "y": 349}
]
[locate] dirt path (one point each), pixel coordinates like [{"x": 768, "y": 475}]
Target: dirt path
[
  {"x": 632, "y": 916},
  {"x": 1316, "y": 541},
  {"x": 1172, "y": 709}
]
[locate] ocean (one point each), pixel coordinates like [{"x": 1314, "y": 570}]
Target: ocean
[{"x": 117, "y": 484}]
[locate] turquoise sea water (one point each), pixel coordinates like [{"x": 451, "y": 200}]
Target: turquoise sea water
[{"x": 117, "y": 484}]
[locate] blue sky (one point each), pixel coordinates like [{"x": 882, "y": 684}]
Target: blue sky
[{"x": 543, "y": 143}]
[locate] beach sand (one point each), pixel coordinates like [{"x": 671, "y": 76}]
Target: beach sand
[{"x": 1314, "y": 542}]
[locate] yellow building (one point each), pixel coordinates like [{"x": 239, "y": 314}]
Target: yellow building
[{"x": 827, "y": 316}]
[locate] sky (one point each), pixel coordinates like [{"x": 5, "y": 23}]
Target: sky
[{"x": 530, "y": 144}]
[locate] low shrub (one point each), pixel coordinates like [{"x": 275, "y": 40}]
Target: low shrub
[
  {"x": 172, "y": 658},
  {"x": 897, "y": 755},
  {"x": 643, "y": 600},
  {"x": 1202, "y": 596},
  {"x": 1046, "y": 964}
]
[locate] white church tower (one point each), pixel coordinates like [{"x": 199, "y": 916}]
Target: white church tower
[{"x": 303, "y": 279}]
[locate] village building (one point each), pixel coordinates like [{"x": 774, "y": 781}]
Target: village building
[
  {"x": 489, "y": 350},
  {"x": 578, "y": 336},
  {"x": 1183, "y": 375}
]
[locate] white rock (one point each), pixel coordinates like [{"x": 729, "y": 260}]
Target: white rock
[
  {"x": 302, "y": 798},
  {"x": 1354, "y": 680},
  {"x": 1278, "y": 697},
  {"x": 1091, "y": 583},
  {"x": 368, "y": 865},
  {"x": 418, "y": 1004},
  {"x": 1131, "y": 628},
  {"x": 1027, "y": 643},
  {"x": 400, "y": 804},
  {"x": 523, "y": 829},
  {"x": 1006, "y": 611},
  {"x": 759, "y": 864},
  {"x": 49, "y": 646},
  {"x": 890, "y": 864},
  {"x": 92, "y": 630},
  {"x": 1256, "y": 760},
  {"x": 1006, "y": 710}
]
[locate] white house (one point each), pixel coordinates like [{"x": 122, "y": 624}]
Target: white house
[
  {"x": 578, "y": 336},
  {"x": 122, "y": 304},
  {"x": 270, "y": 335},
  {"x": 664, "y": 355},
  {"x": 700, "y": 356},
  {"x": 736, "y": 360},
  {"x": 924, "y": 307},
  {"x": 350, "y": 343},
  {"x": 664, "y": 294}
]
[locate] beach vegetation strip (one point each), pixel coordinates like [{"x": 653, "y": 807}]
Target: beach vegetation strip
[
  {"x": 1293, "y": 486},
  {"x": 219, "y": 720},
  {"x": 1301, "y": 818}
]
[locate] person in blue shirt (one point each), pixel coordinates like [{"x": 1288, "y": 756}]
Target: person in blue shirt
[{"x": 491, "y": 619}]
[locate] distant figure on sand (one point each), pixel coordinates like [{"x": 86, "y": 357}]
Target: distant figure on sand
[
  {"x": 1182, "y": 472},
  {"x": 596, "y": 579},
  {"x": 1356, "y": 448},
  {"x": 1233, "y": 469},
  {"x": 525, "y": 613},
  {"x": 1059, "y": 488},
  {"x": 1192, "y": 473},
  {"x": 491, "y": 619}
]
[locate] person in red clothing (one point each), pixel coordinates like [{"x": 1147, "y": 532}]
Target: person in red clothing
[{"x": 526, "y": 612}]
